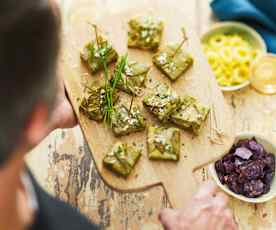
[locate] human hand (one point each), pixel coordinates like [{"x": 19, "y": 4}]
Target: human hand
[
  {"x": 207, "y": 210},
  {"x": 63, "y": 115}
]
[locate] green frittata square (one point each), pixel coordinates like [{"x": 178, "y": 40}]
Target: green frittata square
[
  {"x": 92, "y": 105},
  {"x": 122, "y": 159},
  {"x": 92, "y": 52},
  {"x": 191, "y": 115},
  {"x": 133, "y": 78},
  {"x": 162, "y": 102},
  {"x": 145, "y": 33},
  {"x": 163, "y": 143},
  {"x": 173, "y": 62},
  {"x": 125, "y": 121}
]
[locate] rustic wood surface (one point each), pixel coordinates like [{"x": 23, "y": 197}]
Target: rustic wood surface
[
  {"x": 63, "y": 164},
  {"x": 198, "y": 81}
]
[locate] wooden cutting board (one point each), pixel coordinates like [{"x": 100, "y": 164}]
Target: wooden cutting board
[{"x": 177, "y": 178}]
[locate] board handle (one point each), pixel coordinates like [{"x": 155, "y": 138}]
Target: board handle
[{"x": 179, "y": 193}]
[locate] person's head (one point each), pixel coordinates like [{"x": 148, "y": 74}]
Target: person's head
[{"x": 29, "y": 44}]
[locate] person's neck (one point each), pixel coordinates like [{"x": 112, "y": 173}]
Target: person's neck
[{"x": 11, "y": 193}]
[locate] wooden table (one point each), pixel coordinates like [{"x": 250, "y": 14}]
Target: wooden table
[{"x": 64, "y": 166}]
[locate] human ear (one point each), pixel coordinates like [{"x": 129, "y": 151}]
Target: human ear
[
  {"x": 56, "y": 10},
  {"x": 36, "y": 128}
]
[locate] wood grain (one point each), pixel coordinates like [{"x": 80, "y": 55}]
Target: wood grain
[{"x": 115, "y": 210}]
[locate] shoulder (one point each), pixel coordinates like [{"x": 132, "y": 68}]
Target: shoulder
[{"x": 54, "y": 214}]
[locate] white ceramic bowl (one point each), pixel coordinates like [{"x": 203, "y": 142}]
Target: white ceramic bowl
[
  {"x": 248, "y": 33},
  {"x": 270, "y": 147}
]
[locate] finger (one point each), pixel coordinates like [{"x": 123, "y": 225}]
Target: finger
[
  {"x": 208, "y": 189},
  {"x": 216, "y": 210},
  {"x": 226, "y": 221},
  {"x": 218, "y": 216},
  {"x": 62, "y": 117},
  {"x": 168, "y": 218},
  {"x": 60, "y": 80},
  {"x": 220, "y": 200},
  {"x": 229, "y": 221},
  {"x": 66, "y": 115}
]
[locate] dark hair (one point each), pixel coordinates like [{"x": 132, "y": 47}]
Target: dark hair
[{"x": 29, "y": 44}]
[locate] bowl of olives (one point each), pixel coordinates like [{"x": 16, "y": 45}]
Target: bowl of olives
[{"x": 247, "y": 171}]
